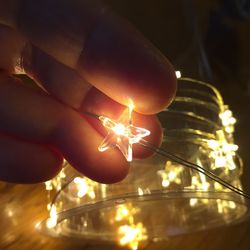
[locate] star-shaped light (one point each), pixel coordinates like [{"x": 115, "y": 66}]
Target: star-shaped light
[{"x": 122, "y": 133}]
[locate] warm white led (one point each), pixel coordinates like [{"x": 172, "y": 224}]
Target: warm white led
[
  {"x": 122, "y": 133},
  {"x": 52, "y": 221},
  {"x": 178, "y": 74},
  {"x": 131, "y": 235},
  {"x": 205, "y": 172}
]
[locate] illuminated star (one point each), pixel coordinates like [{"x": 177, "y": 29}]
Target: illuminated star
[{"x": 122, "y": 134}]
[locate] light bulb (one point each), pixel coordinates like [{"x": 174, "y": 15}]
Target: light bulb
[{"x": 122, "y": 133}]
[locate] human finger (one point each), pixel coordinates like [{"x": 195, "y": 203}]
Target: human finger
[
  {"x": 65, "y": 84},
  {"x": 99, "y": 104},
  {"x": 108, "y": 104},
  {"x": 104, "y": 49},
  {"x": 26, "y": 162},
  {"x": 33, "y": 115},
  {"x": 12, "y": 44}
]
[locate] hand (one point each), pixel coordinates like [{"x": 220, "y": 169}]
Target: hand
[{"x": 86, "y": 59}]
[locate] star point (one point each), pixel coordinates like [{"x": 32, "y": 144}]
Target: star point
[{"x": 122, "y": 134}]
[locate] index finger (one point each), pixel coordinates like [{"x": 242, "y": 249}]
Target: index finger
[{"x": 103, "y": 48}]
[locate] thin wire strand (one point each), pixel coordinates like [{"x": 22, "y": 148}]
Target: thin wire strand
[
  {"x": 172, "y": 157},
  {"x": 186, "y": 163},
  {"x": 194, "y": 166},
  {"x": 62, "y": 188}
]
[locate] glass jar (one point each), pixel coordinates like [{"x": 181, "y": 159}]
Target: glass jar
[{"x": 159, "y": 198}]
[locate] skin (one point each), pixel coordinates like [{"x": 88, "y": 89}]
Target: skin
[{"x": 85, "y": 58}]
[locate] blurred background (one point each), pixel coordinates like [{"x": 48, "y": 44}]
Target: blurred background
[{"x": 207, "y": 40}]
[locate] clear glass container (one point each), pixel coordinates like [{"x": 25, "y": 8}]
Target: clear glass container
[{"x": 159, "y": 198}]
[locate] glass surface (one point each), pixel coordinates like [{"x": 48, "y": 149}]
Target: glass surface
[{"x": 159, "y": 198}]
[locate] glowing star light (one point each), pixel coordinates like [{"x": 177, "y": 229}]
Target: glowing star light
[{"x": 122, "y": 133}]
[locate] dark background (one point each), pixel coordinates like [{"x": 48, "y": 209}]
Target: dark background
[{"x": 208, "y": 40}]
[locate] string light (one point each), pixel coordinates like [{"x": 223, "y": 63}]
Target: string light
[
  {"x": 131, "y": 235},
  {"x": 125, "y": 219},
  {"x": 52, "y": 221},
  {"x": 171, "y": 174},
  {"x": 140, "y": 191},
  {"x": 178, "y": 74},
  {"x": 126, "y": 212},
  {"x": 227, "y": 119},
  {"x": 85, "y": 186},
  {"x": 122, "y": 133},
  {"x": 222, "y": 152}
]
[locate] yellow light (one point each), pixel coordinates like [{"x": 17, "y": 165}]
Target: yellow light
[
  {"x": 218, "y": 186},
  {"x": 178, "y": 74},
  {"x": 227, "y": 120},
  {"x": 84, "y": 187},
  {"x": 222, "y": 152},
  {"x": 171, "y": 174},
  {"x": 229, "y": 147},
  {"x": 120, "y": 217},
  {"x": 62, "y": 174},
  {"x": 52, "y": 221},
  {"x": 195, "y": 181},
  {"x": 193, "y": 202},
  {"x": 165, "y": 183},
  {"x": 126, "y": 212},
  {"x": 204, "y": 184},
  {"x": 122, "y": 133},
  {"x": 48, "y": 185},
  {"x": 131, "y": 107},
  {"x": 119, "y": 129},
  {"x": 199, "y": 182},
  {"x": 225, "y": 206},
  {"x": 220, "y": 162},
  {"x": 232, "y": 204},
  {"x": 122, "y": 212},
  {"x": 131, "y": 235},
  {"x": 37, "y": 225},
  {"x": 140, "y": 191},
  {"x": 213, "y": 144}
]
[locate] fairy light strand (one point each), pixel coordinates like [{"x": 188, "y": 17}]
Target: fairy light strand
[
  {"x": 220, "y": 149},
  {"x": 123, "y": 134},
  {"x": 194, "y": 166},
  {"x": 112, "y": 126},
  {"x": 118, "y": 131}
]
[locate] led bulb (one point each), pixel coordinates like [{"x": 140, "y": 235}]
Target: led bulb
[{"x": 122, "y": 133}]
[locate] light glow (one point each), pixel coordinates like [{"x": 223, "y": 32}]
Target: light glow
[
  {"x": 52, "y": 221},
  {"x": 126, "y": 220},
  {"x": 178, "y": 74},
  {"x": 48, "y": 185},
  {"x": 122, "y": 133},
  {"x": 131, "y": 235},
  {"x": 171, "y": 174},
  {"x": 222, "y": 152},
  {"x": 85, "y": 186},
  {"x": 140, "y": 192},
  {"x": 119, "y": 129},
  {"x": 227, "y": 120}
]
